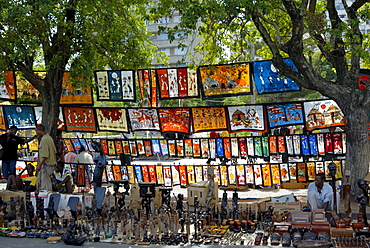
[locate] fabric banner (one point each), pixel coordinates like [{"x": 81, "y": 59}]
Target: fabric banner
[
  {"x": 275, "y": 171},
  {"x": 234, "y": 147},
  {"x": 220, "y": 148},
  {"x": 273, "y": 145},
  {"x": 21, "y": 116},
  {"x": 116, "y": 169},
  {"x": 122, "y": 147},
  {"x": 231, "y": 170},
  {"x": 266, "y": 172},
  {"x": 38, "y": 116},
  {"x": 174, "y": 120},
  {"x": 311, "y": 171},
  {"x": 143, "y": 119},
  {"x": 313, "y": 144},
  {"x": 172, "y": 148},
  {"x": 155, "y": 146},
  {"x": 167, "y": 176},
  {"x": 319, "y": 167},
  {"x": 337, "y": 143},
  {"x": 104, "y": 145},
  {"x": 190, "y": 173},
  {"x": 281, "y": 144},
  {"x": 289, "y": 144},
  {"x": 329, "y": 149},
  {"x": 250, "y": 146},
  {"x": 284, "y": 114},
  {"x": 243, "y": 147},
  {"x": 131, "y": 174},
  {"x": 205, "y": 148},
  {"x": 138, "y": 174},
  {"x": 75, "y": 94},
  {"x": 293, "y": 171},
  {"x": 267, "y": 78},
  {"x": 148, "y": 148},
  {"x": 8, "y": 86},
  {"x": 224, "y": 176},
  {"x": 301, "y": 172},
  {"x": 188, "y": 147},
  {"x": 111, "y": 148},
  {"x": 101, "y": 77},
  {"x": 257, "y": 146},
  {"x": 246, "y": 118},
  {"x": 209, "y": 118},
  {"x": 249, "y": 174},
  {"x": 80, "y": 175},
  {"x": 240, "y": 175},
  {"x": 198, "y": 173},
  {"x": 175, "y": 175},
  {"x": 133, "y": 148},
  {"x": 322, "y": 114},
  {"x": 180, "y": 148},
  {"x": 159, "y": 173},
  {"x": 284, "y": 172},
  {"x": 68, "y": 144},
  {"x": 154, "y": 91},
  {"x": 196, "y": 148},
  {"x": 305, "y": 145},
  {"x": 112, "y": 119},
  {"x": 227, "y": 148},
  {"x": 258, "y": 176},
  {"x": 79, "y": 119},
  {"x": 344, "y": 143},
  {"x": 297, "y": 145},
  {"x": 225, "y": 80},
  {"x": 212, "y": 148},
  {"x": 145, "y": 173},
  {"x": 140, "y": 147},
  {"x": 164, "y": 147},
  {"x": 152, "y": 173},
  {"x": 183, "y": 176},
  {"x": 2, "y": 119}
]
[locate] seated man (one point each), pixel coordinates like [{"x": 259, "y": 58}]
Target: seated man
[
  {"x": 18, "y": 183},
  {"x": 320, "y": 194},
  {"x": 61, "y": 179}
]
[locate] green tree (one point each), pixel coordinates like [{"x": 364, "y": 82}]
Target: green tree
[
  {"x": 75, "y": 35},
  {"x": 306, "y": 31}
]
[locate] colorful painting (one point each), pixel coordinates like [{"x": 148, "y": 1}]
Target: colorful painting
[
  {"x": 311, "y": 171},
  {"x": 293, "y": 171},
  {"x": 174, "y": 119},
  {"x": 79, "y": 119},
  {"x": 267, "y": 78},
  {"x": 208, "y": 119},
  {"x": 225, "y": 80},
  {"x": 323, "y": 114},
  {"x": 8, "y": 86},
  {"x": 167, "y": 176},
  {"x": 115, "y": 85},
  {"x": 144, "y": 119},
  {"x": 284, "y": 114},
  {"x": 231, "y": 170},
  {"x": 112, "y": 119},
  {"x": 26, "y": 92},
  {"x": 284, "y": 172},
  {"x": 144, "y": 79},
  {"x": 275, "y": 171},
  {"x": 266, "y": 174},
  {"x": 2, "y": 119},
  {"x": 246, "y": 118},
  {"x": 301, "y": 172},
  {"x": 240, "y": 175},
  {"x": 75, "y": 94},
  {"x": 21, "y": 116}
]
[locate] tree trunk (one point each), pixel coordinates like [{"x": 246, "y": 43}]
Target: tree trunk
[{"x": 358, "y": 147}]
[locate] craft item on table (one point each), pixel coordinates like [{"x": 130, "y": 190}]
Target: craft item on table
[
  {"x": 281, "y": 144},
  {"x": 275, "y": 172},
  {"x": 196, "y": 148},
  {"x": 301, "y": 172},
  {"x": 180, "y": 148},
  {"x": 311, "y": 171},
  {"x": 231, "y": 170},
  {"x": 240, "y": 175},
  {"x": 234, "y": 146},
  {"x": 242, "y": 148},
  {"x": 305, "y": 145},
  {"x": 257, "y": 146},
  {"x": 138, "y": 173},
  {"x": 273, "y": 145},
  {"x": 289, "y": 144},
  {"x": 293, "y": 171},
  {"x": 190, "y": 173},
  {"x": 188, "y": 147},
  {"x": 258, "y": 176},
  {"x": 224, "y": 175},
  {"x": 111, "y": 148},
  {"x": 225, "y": 80},
  {"x": 183, "y": 176},
  {"x": 313, "y": 144},
  {"x": 284, "y": 172},
  {"x": 204, "y": 148},
  {"x": 227, "y": 147},
  {"x": 266, "y": 173},
  {"x": 164, "y": 147}
]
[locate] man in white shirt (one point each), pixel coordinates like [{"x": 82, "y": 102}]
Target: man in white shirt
[{"x": 320, "y": 194}]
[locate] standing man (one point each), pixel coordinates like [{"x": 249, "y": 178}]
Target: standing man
[
  {"x": 9, "y": 142},
  {"x": 46, "y": 159}
]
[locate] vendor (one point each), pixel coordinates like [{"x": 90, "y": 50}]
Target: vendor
[
  {"x": 18, "y": 183},
  {"x": 61, "y": 179},
  {"x": 320, "y": 194}
]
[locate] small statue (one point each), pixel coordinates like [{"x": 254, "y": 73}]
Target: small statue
[
  {"x": 21, "y": 208},
  {"x": 235, "y": 203},
  {"x": 362, "y": 199},
  {"x": 13, "y": 209},
  {"x": 180, "y": 204},
  {"x": 100, "y": 163},
  {"x": 30, "y": 212}
]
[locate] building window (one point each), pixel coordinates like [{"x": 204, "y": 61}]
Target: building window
[
  {"x": 163, "y": 20},
  {"x": 180, "y": 51},
  {"x": 177, "y": 19},
  {"x": 162, "y": 36},
  {"x": 166, "y": 50}
]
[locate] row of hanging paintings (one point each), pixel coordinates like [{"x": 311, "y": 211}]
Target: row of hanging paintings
[
  {"x": 257, "y": 118},
  {"x": 266, "y": 175},
  {"x": 312, "y": 145}
]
